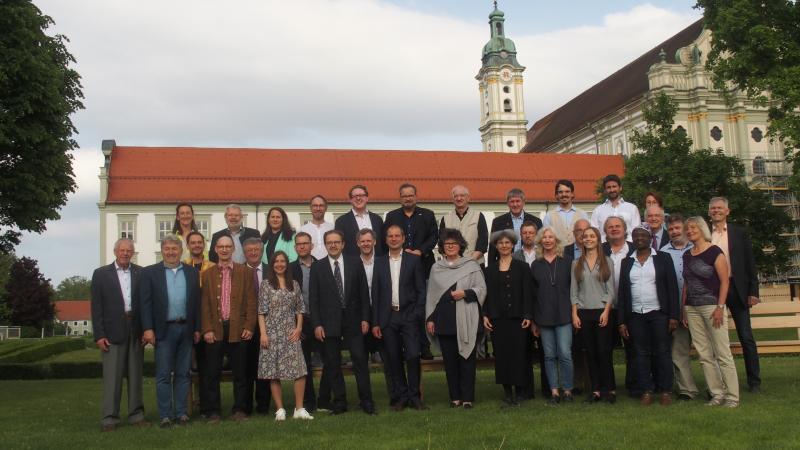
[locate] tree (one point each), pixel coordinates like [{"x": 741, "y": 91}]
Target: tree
[
  {"x": 756, "y": 49},
  {"x": 29, "y": 294},
  {"x": 74, "y": 288},
  {"x": 687, "y": 180},
  {"x": 6, "y": 261},
  {"x": 38, "y": 92}
]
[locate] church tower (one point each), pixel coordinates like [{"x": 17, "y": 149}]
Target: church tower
[{"x": 503, "y": 123}]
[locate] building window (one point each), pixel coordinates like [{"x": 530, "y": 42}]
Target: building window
[
  {"x": 75, "y": 323},
  {"x": 757, "y": 134},
  {"x": 506, "y": 89},
  {"x": 84, "y": 323},
  {"x": 202, "y": 223},
  {"x": 510, "y": 143},
  {"x": 164, "y": 226},
  {"x": 507, "y": 105},
  {"x": 716, "y": 133},
  {"x": 127, "y": 227},
  {"x": 759, "y": 166}
]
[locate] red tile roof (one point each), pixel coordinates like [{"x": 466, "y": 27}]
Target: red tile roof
[
  {"x": 73, "y": 310},
  {"x": 276, "y": 176},
  {"x": 619, "y": 89}
]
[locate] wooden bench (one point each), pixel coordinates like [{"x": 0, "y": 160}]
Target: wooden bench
[{"x": 770, "y": 316}]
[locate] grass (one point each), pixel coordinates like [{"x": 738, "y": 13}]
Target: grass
[{"x": 65, "y": 414}]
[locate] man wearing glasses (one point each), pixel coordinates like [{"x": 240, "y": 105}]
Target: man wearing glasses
[
  {"x": 357, "y": 219},
  {"x": 339, "y": 300}
]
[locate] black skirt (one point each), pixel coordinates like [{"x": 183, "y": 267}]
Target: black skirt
[{"x": 509, "y": 342}]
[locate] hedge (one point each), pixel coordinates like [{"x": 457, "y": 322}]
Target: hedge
[
  {"x": 60, "y": 370},
  {"x": 42, "y": 350}
]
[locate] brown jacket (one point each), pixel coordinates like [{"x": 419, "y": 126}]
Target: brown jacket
[{"x": 243, "y": 302}]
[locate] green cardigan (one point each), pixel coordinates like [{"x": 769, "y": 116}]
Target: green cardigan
[{"x": 285, "y": 246}]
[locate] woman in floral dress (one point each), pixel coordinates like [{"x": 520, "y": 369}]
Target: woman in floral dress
[{"x": 280, "y": 319}]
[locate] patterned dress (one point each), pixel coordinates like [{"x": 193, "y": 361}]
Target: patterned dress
[{"x": 281, "y": 360}]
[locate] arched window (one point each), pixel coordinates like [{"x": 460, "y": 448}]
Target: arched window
[
  {"x": 507, "y": 105},
  {"x": 759, "y": 166},
  {"x": 716, "y": 133},
  {"x": 506, "y": 89}
]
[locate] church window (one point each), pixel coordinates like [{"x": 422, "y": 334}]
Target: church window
[
  {"x": 716, "y": 133},
  {"x": 510, "y": 143},
  {"x": 757, "y": 134},
  {"x": 506, "y": 89},
  {"x": 759, "y": 166},
  {"x": 499, "y": 28},
  {"x": 507, "y": 105}
]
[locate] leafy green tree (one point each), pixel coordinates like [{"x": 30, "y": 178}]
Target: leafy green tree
[
  {"x": 74, "y": 288},
  {"x": 687, "y": 180},
  {"x": 756, "y": 49},
  {"x": 38, "y": 93},
  {"x": 29, "y": 294},
  {"x": 6, "y": 261}
]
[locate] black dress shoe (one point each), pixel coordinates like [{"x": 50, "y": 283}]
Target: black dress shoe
[
  {"x": 756, "y": 389},
  {"x": 337, "y": 411},
  {"x": 426, "y": 354},
  {"x": 370, "y": 411},
  {"x": 685, "y": 397},
  {"x": 592, "y": 398},
  {"x": 399, "y": 405},
  {"x": 510, "y": 401}
]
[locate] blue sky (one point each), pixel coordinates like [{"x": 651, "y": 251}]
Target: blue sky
[{"x": 370, "y": 74}]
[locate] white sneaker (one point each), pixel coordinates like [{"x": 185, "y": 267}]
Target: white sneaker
[
  {"x": 280, "y": 415},
  {"x": 302, "y": 414}
]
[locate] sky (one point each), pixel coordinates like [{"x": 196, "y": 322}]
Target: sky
[{"x": 366, "y": 74}]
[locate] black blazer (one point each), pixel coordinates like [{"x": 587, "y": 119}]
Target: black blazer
[
  {"x": 297, "y": 271},
  {"x": 412, "y": 289},
  {"x": 607, "y": 248},
  {"x": 154, "y": 300},
  {"x": 743, "y": 264},
  {"x": 569, "y": 253},
  {"x": 326, "y": 309},
  {"x": 246, "y": 234},
  {"x": 504, "y": 222},
  {"x": 424, "y": 233},
  {"x": 346, "y": 223},
  {"x": 108, "y": 307},
  {"x": 521, "y": 291},
  {"x": 664, "y": 239},
  {"x": 666, "y": 288}
]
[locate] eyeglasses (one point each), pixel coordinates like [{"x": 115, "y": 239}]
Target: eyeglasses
[
  {"x": 450, "y": 244},
  {"x": 359, "y": 196},
  {"x": 330, "y": 243},
  {"x": 302, "y": 243}
]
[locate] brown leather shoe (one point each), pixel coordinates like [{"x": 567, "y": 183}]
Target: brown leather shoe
[
  {"x": 666, "y": 399},
  {"x": 108, "y": 427},
  {"x": 239, "y": 416},
  {"x": 214, "y": 418},
  {"x": 647, "y": 399},
  {"x": 141, "y": 424}
]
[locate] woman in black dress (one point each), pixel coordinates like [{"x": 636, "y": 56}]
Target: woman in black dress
[{"x": 508, "y": 311}]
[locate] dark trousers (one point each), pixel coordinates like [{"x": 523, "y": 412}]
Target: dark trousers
[
  {"x": 631, "y": 384},
  {"x": 599, "y": 346},
  {"x": 374, "y": 345},
  {"x": 652, "y": 341},
  {"x": 460, "y": 372},
  {"x": 255, "y": 386},
  {"x": 200, "y": 364},
  {"x": 580, "y": 364},
  {"x": 309, "y": 345},
  {"x": 741, "y": 317},
  {"x": 401, "y": 337},
  {"x": 333, "y": 368},
  {"x": 237, "y": 355}
]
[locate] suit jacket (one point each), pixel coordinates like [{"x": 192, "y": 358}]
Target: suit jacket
[
  {"x": 521, "y": 291},
  {"x": 246, "y": 233},
  {"x": 154, "y": 299},
  {"x": 108, "y": 307},
  {"x": 424, "y": 232},
  {"x": 569, "y": 252},
  {"x": 346, "y": 223},
  {"x": 607, "y": 248},
  {"x": 412, "y": 288},
  {"x": 664, "y": 240},
  {"x": 743, "y": 264},
  {"x": 326, "y": 309},
  {"x": 666, "y": 287},
  {"x": 243, "y": 302},
  {"x": 297, "y": 271},
  {"x": 503, "y": 222}
]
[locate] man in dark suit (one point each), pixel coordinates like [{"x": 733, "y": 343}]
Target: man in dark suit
[
  {"x": 421, "y": 235},
  {"x": 339, "y": 300},
  {"x": 170, "y": 301},
  {"x": 512, "y": 220},
  {"x": 118, "y": 332},
  {"x": 253, "y": 251},
  {"x": 648, "y": 311},
  {"x": 358, "y": 218},
  {"x": 236, "y": 231},
  {"x": 743, "y": 292},
  {"x": 573, "y": 251},
  {"x": 398, "y": 305},
  {"x": 654, "y": 216}
]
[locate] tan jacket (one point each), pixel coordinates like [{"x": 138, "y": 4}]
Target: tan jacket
[{"x": 243, "y": 302}]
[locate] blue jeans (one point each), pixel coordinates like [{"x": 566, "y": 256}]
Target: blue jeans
[
  {"x": 173, "y": 356},
  {"x": 557, "y": 343}
]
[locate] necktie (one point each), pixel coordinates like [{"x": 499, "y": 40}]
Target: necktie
[
  {"x": 255, "y": 281},
  {"x": 337, "y": 275},
  {"x": 655, "y": 241}
]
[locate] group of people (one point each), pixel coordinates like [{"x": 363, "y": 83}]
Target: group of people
[{"x": 572, "y": 286}]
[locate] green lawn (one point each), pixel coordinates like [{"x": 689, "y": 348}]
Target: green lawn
[{"x": 65, "y": 414}]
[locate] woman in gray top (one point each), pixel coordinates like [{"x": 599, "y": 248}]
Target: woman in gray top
[{"x": 592, "y": 294}]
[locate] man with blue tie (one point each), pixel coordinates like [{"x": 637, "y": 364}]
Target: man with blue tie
[{"x": 170, "y": 302}]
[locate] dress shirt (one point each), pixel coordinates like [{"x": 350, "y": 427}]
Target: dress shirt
[
  {"x": 238, "y": 251},
  {"x": 617, "y": 257},
  {"x": 566, "y": 215},
  {"x": 576, "y": 252},
  {"x": 394, "y": 268},
  {"x": 677, "y": 261},
  {"x": 627, "y": 211},
  {"x": 331, "y": 261},
  {"x": 516, "y": 222},
  {"x": 368, "y": 266},
  {"x": 176, "y": 292},
  {"x": 529, "y": 256},
  {"x": 720, "y": 239},
  {"x": 644, "y": 296},
  {"x": 124, "y": 276},
  {"x": 363, "y": 221},
  {"x": 317, "y": 233},
  {"x": 225, "y": 291}
]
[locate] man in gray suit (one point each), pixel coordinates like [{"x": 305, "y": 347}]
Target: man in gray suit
[{"x": 118, "y": 333}]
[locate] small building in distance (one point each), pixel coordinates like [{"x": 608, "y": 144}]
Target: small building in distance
[{"x": 76, "y": 315}]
